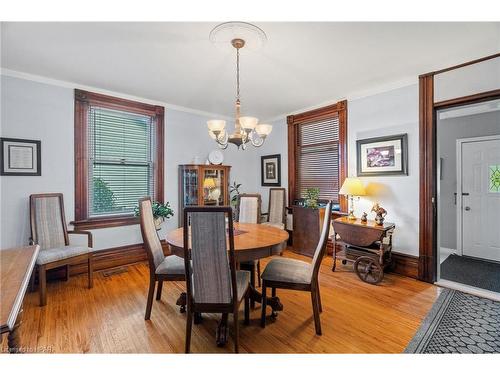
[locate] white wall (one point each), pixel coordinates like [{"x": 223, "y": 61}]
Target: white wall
[
  {"x": 448, "y": 131},
  {"x": 45, "y": 112},
  {"x": 389, "y": 113}
]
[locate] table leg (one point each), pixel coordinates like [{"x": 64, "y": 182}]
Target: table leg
[
  {"x": 182, "y": 301},
  {"x": 274, "y": 301},
  {"x": 13, "y": 339}
]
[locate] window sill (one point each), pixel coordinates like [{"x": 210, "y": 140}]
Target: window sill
[{"x": 105, "y": 222}]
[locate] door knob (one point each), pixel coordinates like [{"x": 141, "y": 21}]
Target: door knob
[{"x": 467, "y": 208}]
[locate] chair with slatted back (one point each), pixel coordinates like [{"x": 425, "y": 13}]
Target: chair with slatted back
[
  {"x": 294, "y": 274},
  {"x": 248, "y": 211},
  {"x": 275, "y": 214},
  {"x": 161, "y": 268},
  {"x": 48, "y": 229},
  {"x": 213, "y": 283}
]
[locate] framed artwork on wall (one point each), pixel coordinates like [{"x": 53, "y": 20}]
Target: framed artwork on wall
[
  {"x": 20, "y": 157},
  {"x": 270, "y": 170},
  {"x": 383, "y": 155}
]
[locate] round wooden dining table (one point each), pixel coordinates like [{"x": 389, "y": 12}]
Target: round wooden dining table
[{"x": 251, "y": 242}]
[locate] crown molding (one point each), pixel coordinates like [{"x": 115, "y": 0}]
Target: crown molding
[
  {"x": 73, "y": 85},
  {"x": 355, "y": 95}
]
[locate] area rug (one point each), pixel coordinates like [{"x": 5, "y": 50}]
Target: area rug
[
  {"x": 470, "y": 271},
  {"x": 459, "y": 323}
]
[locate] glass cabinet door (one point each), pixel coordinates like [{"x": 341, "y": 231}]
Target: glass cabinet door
[
  {"x": 190, "y": 187},
  {"x": 213, "y": 187}
]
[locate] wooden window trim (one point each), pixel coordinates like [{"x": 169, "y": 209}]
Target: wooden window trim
[
  {"x": 82, "y": 101},
  {"x": 293, "y": 121}
]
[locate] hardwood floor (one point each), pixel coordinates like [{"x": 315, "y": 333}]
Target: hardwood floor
[{"x": 357, "y": 317}]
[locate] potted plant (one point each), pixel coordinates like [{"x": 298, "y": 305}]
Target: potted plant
[
  {"x": 234, "y": 191},
  {"x": 161, "y": 211},
  {"x": 311, "y": 199}
]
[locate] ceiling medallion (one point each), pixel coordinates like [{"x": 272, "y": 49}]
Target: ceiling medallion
[{"x": 246, "y": 129}]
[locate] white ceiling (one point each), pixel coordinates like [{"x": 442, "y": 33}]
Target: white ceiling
[{"x": 302, "y": 65}]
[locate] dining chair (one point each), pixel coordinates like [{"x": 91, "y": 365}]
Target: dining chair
[
  {"x": 248, "y": 211},
  {"x": 275, "y": 215},
  {"x": 49, "y": 230},
  {"x": 213, "y": 283},
  {"x": 286, "y": 273},
  {"x": 161, "y": 268}
]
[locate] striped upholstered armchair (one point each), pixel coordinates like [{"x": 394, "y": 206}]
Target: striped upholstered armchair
[{"x": 48, "y": 229}]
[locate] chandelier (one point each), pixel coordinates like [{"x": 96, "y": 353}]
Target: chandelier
[{"x": 246, "y": 129}]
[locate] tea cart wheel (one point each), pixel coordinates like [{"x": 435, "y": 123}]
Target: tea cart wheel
[{"x": 368, "y": 270}]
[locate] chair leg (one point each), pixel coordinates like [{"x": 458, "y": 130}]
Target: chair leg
[
  {"x": 91, "y": 271},
  {"x": 264, "y": 304},
  {"x": 189, "y": 326},
  {"x": 32, "y": 280},
  {"x": 42, "y": 276},
  {"x": 236, "y": 330},
  {"x": 319, "y": 299},
  {"x": 158, "y": 291},
  {"x": 66, "y": 270},
  {"x": 258, "y": 273},
  {"x": 273, "y": 292},
  {"x": 149, "y": 304},
  {"x": 247, "y": 308},
  {"x": 252, "y": 283},
  {"x": 315, "y": 306}
]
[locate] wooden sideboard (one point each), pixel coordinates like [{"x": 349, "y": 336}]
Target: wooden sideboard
[{"x": 16, "y": 266}]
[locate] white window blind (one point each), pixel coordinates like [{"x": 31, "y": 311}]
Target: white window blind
[
  {"x": 121, "y": 149},
  {"x": 317, "y": 153}
]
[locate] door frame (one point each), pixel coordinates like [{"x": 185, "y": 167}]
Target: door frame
[
  {"x": 459, "y": 143},
  {"x": 428, "y": 257}
]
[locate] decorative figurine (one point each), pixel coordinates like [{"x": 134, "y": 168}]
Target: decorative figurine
[
  {"x": 380, "y": 213},
  {"x": 364, "y": 217}
]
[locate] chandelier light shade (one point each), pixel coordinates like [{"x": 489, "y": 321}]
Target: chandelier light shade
[{"x": 246, "y": 128}]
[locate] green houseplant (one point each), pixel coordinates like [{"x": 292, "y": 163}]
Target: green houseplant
[
  {"x": 161, "y": 211},
  {"x": 311, "y": 198},
  {"x": 234, "y": 191}
]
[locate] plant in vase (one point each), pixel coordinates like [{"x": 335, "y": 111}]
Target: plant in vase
[
  {"x": 311, "y": 198},
  {"x": 161, "y": 211},
  {"x": 234, "y": 191}
]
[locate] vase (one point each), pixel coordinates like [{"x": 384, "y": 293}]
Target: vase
[{"x": 158, "y": 221}]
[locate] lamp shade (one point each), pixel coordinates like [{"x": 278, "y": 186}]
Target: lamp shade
[
  {"x": 248, "y": 123},
  {"x": 352, "y": 186},
  {"x": 264, "y": 129},
  {"x": 216, "y": 125},
  {"x": 209, "y": 183}
]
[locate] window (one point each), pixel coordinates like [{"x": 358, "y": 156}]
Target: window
[
  {"x": 119, "y": 158},
  {"x": 317, "y": 150}
]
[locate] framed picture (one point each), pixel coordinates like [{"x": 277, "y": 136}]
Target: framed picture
[
  {"x": 383, "y": 155},
  {"x": 270, "y": 170},
  {"x": 20, "y": 157}
]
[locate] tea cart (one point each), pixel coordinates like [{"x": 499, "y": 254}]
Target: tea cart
[{"x": 367, "y": 245}]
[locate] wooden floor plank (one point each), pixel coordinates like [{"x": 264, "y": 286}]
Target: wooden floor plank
[{"x": 357, "y": 317}]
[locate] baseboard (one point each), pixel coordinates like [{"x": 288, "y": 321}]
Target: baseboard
[
  {"x": 405, "y": 264},
  {"x": 109, "y": 258}
]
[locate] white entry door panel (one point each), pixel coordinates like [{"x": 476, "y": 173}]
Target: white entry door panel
[{"x": 480, "y": 207}]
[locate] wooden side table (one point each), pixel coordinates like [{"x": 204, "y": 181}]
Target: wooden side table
[
  {"x": 366, "y": 244},
  {"x": 16, "y": 266}
]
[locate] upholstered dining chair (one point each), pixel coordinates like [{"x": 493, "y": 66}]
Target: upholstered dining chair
[
  {"x": 213, "y": 283},
  {"x": 248, "y": 211},
  {"x": 161, "y": 268},
  {"x": 48, "y": 229},
  {"x": 286, "y": 273},
  {"x": 275, "y": 215}
]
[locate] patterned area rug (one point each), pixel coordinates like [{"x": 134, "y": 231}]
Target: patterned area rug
[{"x": 459, "y": 323}]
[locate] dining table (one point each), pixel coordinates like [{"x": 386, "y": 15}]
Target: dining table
[{"x": 251, "y": 243}]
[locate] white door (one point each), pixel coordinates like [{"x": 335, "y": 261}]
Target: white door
[{"x": 480, "y": 190}]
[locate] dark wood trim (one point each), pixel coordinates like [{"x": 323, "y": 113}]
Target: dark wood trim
[
  {"x": 428, "y": 203},
  {"x": 461, "y": 65},
  {"x": 82, "y": 101},
  {"x": 339, "y": 109},
  {"x": 475, "y": 98},
  {"x": 406, "y": 265}
]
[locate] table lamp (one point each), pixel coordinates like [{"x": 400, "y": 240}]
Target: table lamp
[{"x": 352, "y": 187}]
